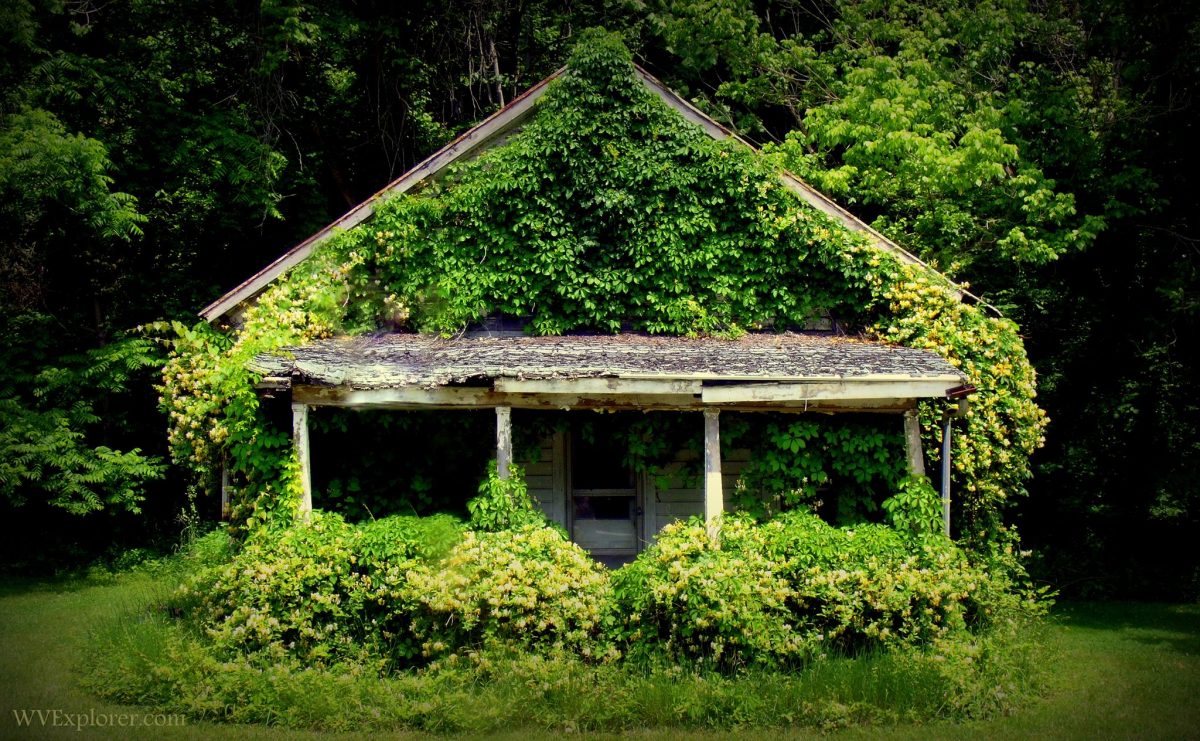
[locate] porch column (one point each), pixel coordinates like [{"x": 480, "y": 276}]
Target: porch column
[
  {"x": 226, "y": 487},
  {"x": 912, "y": 440},
  {"x": 503, "y": 441},
  {"x": 714, "y": 499},
  {"x": 300, "y": 444},
  {"x": 946, "y": 474}
]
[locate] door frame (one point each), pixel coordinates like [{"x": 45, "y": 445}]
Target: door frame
[{"x": 639, "y": 497}]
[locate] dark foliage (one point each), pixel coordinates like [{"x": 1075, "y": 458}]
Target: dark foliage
[{"x": 152, "y": 155}]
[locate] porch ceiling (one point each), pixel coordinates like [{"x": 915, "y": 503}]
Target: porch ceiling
[{"x": 721, "y": 369}]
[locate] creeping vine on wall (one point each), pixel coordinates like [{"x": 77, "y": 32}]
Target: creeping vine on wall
[{"x": 606, "y": 211}]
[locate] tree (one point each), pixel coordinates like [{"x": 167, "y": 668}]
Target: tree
[
  {"x": 56, "y": 204},
  {"x": 153, "y": 154},
  {"x": 1039, "y": 151},
  {"x": 48, "y": 440},
  {"x": 930, "y": 119}
]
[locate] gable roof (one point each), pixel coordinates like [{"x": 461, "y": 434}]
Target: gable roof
[{"x": 496, "y": 128}]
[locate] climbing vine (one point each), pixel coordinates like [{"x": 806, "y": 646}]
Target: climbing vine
[
  {"x": 840, "y": 467},
  {"x": 607, "y": 211},
  {"x": 991, "y": 449}
]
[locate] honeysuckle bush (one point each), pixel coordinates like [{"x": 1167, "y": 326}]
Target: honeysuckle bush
[
  {"x": 400, "y": 591},
  {"x": 406, "y": 592},
  {"x": 530, "y": 586},
  {"x": 435, "y": 608},
  {"x": 322, "y": 591},
  {"x": 1004, "y": 426},
  {"x": 715, "y": 606},
  {"x": 789, "y": 591},
  {"x": 606, "y": 211},
  {"x": 873, "y": 587}
]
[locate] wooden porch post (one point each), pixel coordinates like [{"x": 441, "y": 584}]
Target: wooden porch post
[
  {"x": 226, "y": 488},
  {"x": 503, "y": 441},
  {"x": 714, "y": 499},
  {"x": 912, "y": 440},
  {"x": 300, "y": 443},
  {"x": 946, "y": 475}
]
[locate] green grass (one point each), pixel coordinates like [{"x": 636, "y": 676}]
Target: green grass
[
  {"x": 1118, "y": 670},
  {"x": 1121, "y": 670},
  {"x": 44, "y": 631}
]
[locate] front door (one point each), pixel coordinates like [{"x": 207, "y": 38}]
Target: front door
[{"x": 605, "y": 500}]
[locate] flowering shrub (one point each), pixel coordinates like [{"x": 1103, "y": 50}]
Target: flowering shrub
[
  {"x": 530, "y": 585},
  {"x": 1004, "y": 426},
  {"x": 404, "y": 591},
  {"x": 322, "y": 590},
  {"x": 871, "y": 586},
  {"x": 299, "y": 589},
  {"x": 721, "y": 607},
  {"x": 795, "y": 587},
  {"x": 398, "y": 591}
]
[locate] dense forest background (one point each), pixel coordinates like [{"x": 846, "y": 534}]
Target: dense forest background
[{"x": 153, "y": 154}]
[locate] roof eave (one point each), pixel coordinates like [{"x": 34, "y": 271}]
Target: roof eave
[{"x": 477, "y": 138}]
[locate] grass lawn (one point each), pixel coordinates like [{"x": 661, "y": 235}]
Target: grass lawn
[
  {"x": 1121, "y": 670},
  {"x": 43, "y": 628}
]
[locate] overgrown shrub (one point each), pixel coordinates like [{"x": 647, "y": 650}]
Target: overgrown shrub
[
  {"x": 398, "y": 591},
  {"x": 298, "y": 589},
  {"x": 504, "y": 504},
  {"x": 321, "y": 591},
  {"x": 795, "y": 588},
  {"x": 405, "y": 591},
  {"x": 528, "y": 585},
  {"x": 720, "y": 607},
  {"x": 871, "y": 587}
]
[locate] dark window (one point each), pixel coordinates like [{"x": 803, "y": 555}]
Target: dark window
[
  {"x": 590, "y": 507},
  {"x": 598, "y": 461}
]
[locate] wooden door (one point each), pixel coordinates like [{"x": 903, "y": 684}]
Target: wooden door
[{"x": 604, "y": 498}]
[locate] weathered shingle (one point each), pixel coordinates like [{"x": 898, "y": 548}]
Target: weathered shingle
[{"x": 399, "y": 360}]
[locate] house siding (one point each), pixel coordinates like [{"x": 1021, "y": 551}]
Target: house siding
[
  {"x": 677, "y": 500},
  {"x": 545, "y": 474}
]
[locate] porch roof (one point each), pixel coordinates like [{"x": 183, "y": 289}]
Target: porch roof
[{"x": 423, "y": 361}]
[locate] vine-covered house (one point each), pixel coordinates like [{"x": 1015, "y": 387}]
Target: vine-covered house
[{"x": 602, "y": 245}]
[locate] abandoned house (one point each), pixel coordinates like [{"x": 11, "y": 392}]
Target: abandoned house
[{"x": 608, "y": 508}]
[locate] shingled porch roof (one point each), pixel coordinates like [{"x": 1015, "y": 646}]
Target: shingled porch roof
[
  {"x": 774, "y": 369},
  {"x": 787, "y": 372}
]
